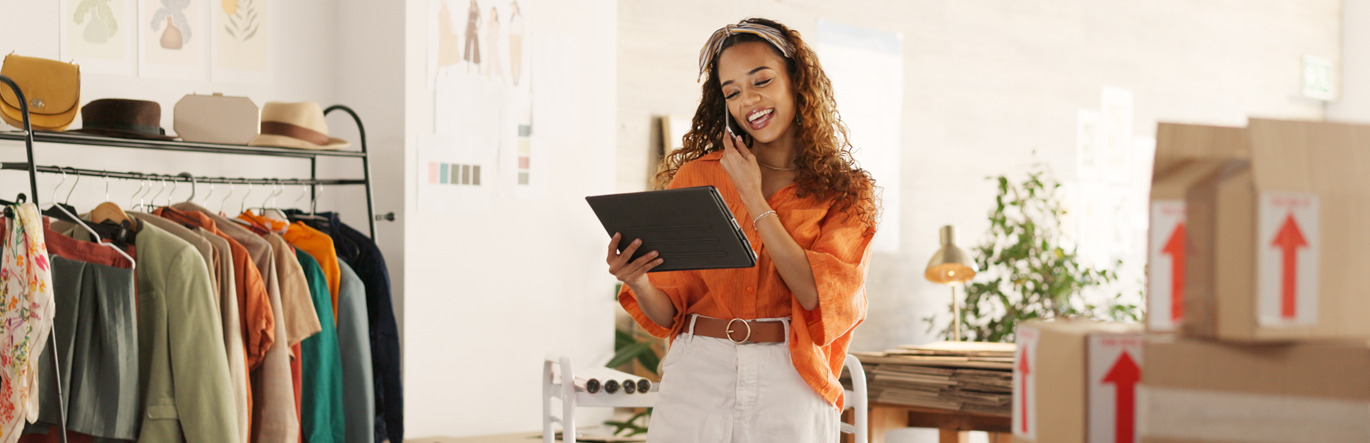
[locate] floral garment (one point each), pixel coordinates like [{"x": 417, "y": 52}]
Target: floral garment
[{"x": 26, "y": 312}]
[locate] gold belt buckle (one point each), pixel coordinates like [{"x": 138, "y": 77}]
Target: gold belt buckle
[{"x": 730, "y": 331}]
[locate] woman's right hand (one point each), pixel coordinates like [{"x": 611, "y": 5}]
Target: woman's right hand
[{"x": 632, "y": 273}]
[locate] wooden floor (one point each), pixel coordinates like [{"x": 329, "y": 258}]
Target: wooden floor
[
  {"x": 520, "y": 437},
  {"x": 523, "y": 437}
]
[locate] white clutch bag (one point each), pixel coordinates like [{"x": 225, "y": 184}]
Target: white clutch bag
[{"x": 216, "y": 119}]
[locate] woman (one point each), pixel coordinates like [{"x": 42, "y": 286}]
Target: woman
[{"x": 755, "y": 352}]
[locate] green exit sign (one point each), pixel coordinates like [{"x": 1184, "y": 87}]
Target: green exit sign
[{"x": 1319, "y": 79}]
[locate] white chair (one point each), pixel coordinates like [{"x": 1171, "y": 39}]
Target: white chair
[
  {"x": 559, "y": 387},
  {"x": 856, "y": 400},
  {"x": 558, "y": 382}
]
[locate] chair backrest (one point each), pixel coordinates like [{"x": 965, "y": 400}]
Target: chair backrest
[{"x": 856, "y": 400}]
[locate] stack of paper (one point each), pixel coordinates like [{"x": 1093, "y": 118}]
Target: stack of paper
[{"x": 959, "y": 376}]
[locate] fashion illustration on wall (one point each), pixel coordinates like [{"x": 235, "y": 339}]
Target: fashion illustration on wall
[
  {"x": 172, "y": 40},
  {"x": 495, "y": 70},
  {"x": 240, "y": 34},
  {"x": 242, "y": 22},
  {"x": 515, "y": 42},
  {"x": 97, "y": 35},
  {"x": 172, "y": 15},
  {"x": 480, "y": 67},
  {"x": 102, "y": 23},
  {"x": 449, "y": 44},
  {"x": 472, "y": 49}
]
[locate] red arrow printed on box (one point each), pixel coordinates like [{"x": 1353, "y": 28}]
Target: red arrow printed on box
[
  {"x": 1124, "y": 375},
  {"x": 1023, "y": 369},
  {"x": 1176, "y": 248},
  {"x": 1289, "y": 239}
]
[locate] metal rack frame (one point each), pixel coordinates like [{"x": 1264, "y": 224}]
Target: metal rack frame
[{"x": 28, "y": 136}]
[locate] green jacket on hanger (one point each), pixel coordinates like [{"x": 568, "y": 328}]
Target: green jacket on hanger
[{"x": 180, "y": 342}]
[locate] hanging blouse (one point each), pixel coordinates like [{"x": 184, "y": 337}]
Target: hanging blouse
[{"x": 26, "y": 313}]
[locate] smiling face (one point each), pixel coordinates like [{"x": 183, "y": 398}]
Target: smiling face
[{"x": 757, "y": 90}]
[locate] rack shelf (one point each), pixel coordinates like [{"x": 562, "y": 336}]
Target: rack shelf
[
  {"x": 76, "y": 138},
  {"x": 183, "y": 177},
  {"x": 28, "y": 137}
]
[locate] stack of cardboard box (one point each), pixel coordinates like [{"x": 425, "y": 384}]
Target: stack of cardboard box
[
  {"x": 1272, "y": 343},
  {"x": 956, "y": 376},
  {"x": 1258, "y": 322},
  {"x": 1076, "y": 381}
]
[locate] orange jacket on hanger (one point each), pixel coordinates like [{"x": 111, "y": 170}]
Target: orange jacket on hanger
[{"x": 320, "y": 246}]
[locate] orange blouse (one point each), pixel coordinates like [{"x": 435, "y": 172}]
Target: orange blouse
[{"x": 837, "y": 245}]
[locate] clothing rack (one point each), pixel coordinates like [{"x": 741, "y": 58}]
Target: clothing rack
[{"x": 28, "y": 137}]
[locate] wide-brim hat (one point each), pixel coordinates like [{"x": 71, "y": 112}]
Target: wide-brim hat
[
  {"x": 295, "y": 125},
  {"x": 123, "y": 118}
]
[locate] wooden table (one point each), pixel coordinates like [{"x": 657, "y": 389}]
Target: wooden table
[{"x": 953, "y": 426}]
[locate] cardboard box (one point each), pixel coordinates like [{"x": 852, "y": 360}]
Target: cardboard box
[
  {"x": 1278, "y": 244},
  {"x": 1202, "y": 391},
  {"x": 1075, "y": 381},
  {"x": 1185, "y": 154}
]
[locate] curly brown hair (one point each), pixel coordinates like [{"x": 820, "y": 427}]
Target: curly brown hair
[{"x": 824, "y": 165}]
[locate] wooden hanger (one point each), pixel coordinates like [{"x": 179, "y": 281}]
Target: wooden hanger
[{"x": 109, "y": 212}]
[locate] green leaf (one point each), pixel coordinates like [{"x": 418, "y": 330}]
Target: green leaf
[
  {"x": 649, "y": 360},
  {"x": 628, "y": 353},
  {"x": 630, "y": 426},
  {"x": 622, "y": 339}
]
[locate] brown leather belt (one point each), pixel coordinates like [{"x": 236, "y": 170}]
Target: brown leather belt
[{"x": 740, "y": 331}]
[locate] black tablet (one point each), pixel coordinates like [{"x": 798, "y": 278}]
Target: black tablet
[{"x": 691, "y": 228}]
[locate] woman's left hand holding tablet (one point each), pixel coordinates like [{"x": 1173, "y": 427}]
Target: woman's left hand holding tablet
[{"x": 632, "y": 273}]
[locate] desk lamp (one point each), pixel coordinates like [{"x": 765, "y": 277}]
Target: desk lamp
[{"x": 951, "y": 266}]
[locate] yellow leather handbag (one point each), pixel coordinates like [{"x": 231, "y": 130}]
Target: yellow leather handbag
[{"x": 52, "y": 88}]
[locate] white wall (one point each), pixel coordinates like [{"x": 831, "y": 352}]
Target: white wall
[
  {"x": 483, "y": 298},
  {"x": 302, "y": 69},
  {"x": 489, "y": 294},
  {"x": 988, "y": 81},
  {"x": 371, "y": 81},
  {"x": 1354, "y": 103}
]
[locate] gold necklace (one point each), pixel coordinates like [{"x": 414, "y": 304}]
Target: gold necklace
[{"x": 773, "y": 167}]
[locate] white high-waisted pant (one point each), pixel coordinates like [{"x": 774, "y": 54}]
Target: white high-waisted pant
[{"x": 715, "y": 391}]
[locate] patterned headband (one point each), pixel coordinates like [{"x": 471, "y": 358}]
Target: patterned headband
[{"x": 715, "y": 43}]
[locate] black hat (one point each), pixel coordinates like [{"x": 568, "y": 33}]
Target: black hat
[{"x": 124, "y": 118}]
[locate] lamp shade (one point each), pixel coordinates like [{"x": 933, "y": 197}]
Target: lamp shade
[{"x": 950, "y": 264}]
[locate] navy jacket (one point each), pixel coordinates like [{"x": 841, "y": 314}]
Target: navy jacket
[{"x": 361, "y": 253}]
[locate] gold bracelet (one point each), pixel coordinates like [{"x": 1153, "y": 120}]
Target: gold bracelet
[{"x": 763, "y": 214}]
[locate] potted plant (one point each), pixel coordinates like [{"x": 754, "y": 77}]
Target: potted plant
[
  {"x": 1027, "y": 269},
  {"x": 639, "y": 353}
]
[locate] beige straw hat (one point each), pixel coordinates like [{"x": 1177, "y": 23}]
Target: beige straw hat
[{"x": 295, "y": 125}]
